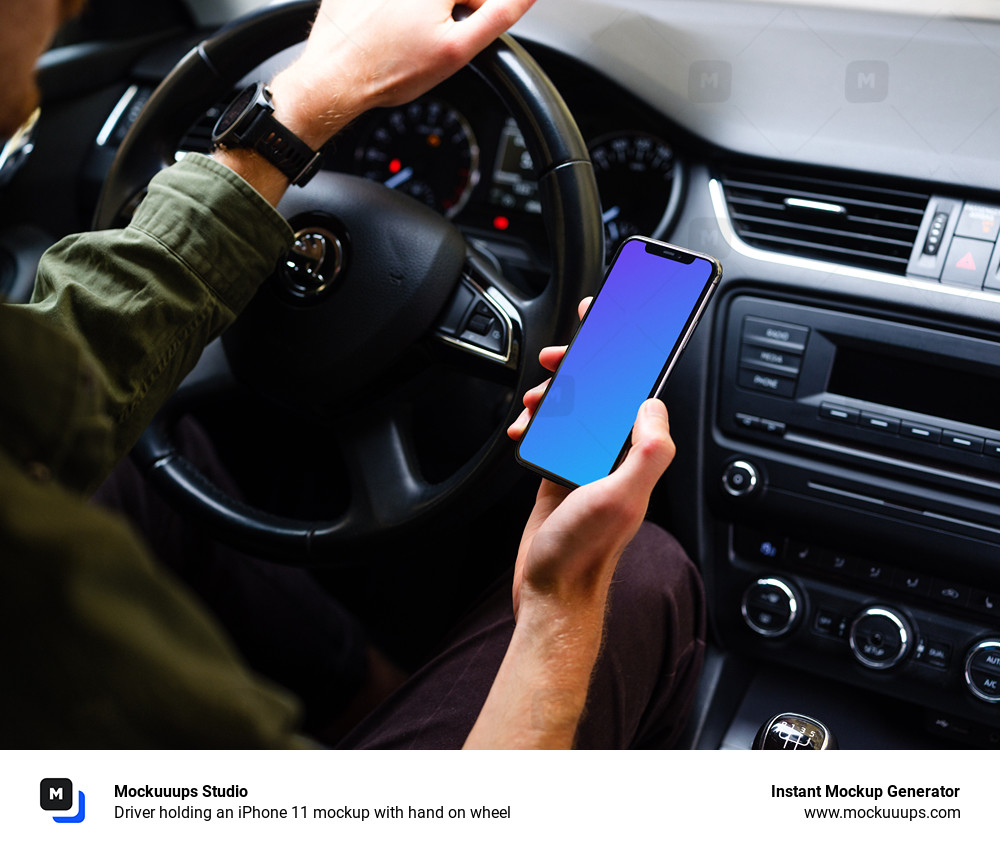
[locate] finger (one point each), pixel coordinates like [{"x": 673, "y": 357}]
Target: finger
[
  {"x": 652, "y": 449},
  {"x": 531, "y": 399},
  {"x": 489, "y": 19},
  {"x": 551, "y": 356},
  {"x": 534, "y": 395},
  {"x": 584, "y": 306},
  {"x": 516, "y": 429}
]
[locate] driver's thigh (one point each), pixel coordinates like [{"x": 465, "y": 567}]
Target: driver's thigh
[
  {"x": 282, "y": 621},
  {"x": 643, "y": 685}
]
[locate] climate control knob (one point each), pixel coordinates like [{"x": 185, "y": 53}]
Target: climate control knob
[
  {"x": 771, "y": 606},
  {"x": 880, "y": 637},
  {"x": 982, "y": 670}
]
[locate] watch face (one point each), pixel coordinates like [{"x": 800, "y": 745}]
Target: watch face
[{"x": 234, "y": 112}]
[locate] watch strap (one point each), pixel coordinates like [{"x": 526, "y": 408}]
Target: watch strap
[{"x": 260, "y": 131}]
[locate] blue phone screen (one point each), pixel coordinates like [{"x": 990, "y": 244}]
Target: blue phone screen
[{"x": 613, "y": 364}]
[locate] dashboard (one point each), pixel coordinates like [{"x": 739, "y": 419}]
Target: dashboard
[{"x": 838, "y": 472}]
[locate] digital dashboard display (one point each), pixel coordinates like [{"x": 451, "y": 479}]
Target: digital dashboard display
[{"x": 514, "y": 188}]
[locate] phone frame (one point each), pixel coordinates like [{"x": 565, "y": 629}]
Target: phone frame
[{"x": 670, "y": 252}]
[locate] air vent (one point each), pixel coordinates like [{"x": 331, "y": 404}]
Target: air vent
[{"x": 855, "y": 224}]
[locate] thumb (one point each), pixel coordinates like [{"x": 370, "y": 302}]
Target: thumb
[{"x": 652, "y": 447}]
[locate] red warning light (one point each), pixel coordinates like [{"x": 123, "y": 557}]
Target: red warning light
[
  {"x": 395, "y": 166},
  {"x": 501, "y": 222}
]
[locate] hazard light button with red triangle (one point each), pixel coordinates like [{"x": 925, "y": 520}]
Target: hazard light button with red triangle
[{"x": 967, "y": 262}]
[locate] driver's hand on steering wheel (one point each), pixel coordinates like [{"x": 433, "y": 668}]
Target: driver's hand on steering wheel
[{"x": 360, "y": 55}]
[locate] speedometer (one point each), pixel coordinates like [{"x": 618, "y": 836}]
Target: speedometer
[
  {"x": 425, "y": 149},
  {"x": 637, "y": 183}
]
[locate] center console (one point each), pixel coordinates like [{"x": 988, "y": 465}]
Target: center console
[{"x": 853, "y": 465}]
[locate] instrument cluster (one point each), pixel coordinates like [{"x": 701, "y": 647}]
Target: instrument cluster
[{"x": 458, "y": 150}]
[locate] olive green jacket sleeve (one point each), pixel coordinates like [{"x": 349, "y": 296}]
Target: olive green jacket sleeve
[
  {"x": 103, "y": 648},
  {"x": 144, "y": 301}
]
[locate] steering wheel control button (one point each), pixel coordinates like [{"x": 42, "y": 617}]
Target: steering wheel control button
[
  {"x": 473, "y": 321},
  {"x": 982, "y": 670},
  {"x": 484, "y": 327},
  {"x": 770, "y": 607},
  {"x": 880, "y": 638},
  {"x": 740, "y": 479}
]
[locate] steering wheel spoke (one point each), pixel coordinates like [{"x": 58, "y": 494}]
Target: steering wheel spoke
[
  {"x": 385, "y": 477},
  {"x": 481, "y": 329}
]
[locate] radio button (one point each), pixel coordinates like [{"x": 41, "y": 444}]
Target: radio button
[
  {"x": 746, "y": 420},
  {"x": 984, "y": 602},
  {"x": 771, "y": 426},
  {"x": 765, "y": 383},
  {"x": 992, "y": 448},
  {"x": 757, "y": 357},
  {"x": 936, "y": 653},
  {"x": 766, "y": 332},
  {"x": 839, "y": 413},
  {"x": 917, "y": 431},
  {"x": 911, "y": 582},
  {"x": 965, "y": 442},
  {"x": 878, "y": 422},
  {"x": 950, "y": 592}
]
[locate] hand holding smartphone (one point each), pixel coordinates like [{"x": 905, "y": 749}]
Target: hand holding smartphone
[{"x": 631, "y": 337}]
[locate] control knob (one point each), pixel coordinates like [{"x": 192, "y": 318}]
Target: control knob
[
  {"x": 771, "y": 606},
  {"x": 880, "y": 637},
  {"x": 982, "y": 670},
  {"x": 740, "y": 479}
]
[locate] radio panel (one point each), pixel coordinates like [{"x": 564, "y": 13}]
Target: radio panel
[
  {"x": 854, "y": 475},
  {"x": 898, "y": 389}
]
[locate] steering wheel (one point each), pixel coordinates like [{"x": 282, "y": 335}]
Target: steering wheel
[{"x": 373, "y": 273}]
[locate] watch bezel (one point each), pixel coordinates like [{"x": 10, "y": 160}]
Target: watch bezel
[{"x": 227, "y": 128}]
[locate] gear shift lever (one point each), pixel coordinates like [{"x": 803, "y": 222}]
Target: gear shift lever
[{"x": 790, "y": 731}]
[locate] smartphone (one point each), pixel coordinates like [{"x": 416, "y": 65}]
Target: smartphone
[{"x": 624, "y": 350}]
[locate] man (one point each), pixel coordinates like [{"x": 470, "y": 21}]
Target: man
[{"x": 104, "y": 647}]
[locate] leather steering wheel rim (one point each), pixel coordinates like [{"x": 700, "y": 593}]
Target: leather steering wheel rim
[{"x": 571, "y": 213}]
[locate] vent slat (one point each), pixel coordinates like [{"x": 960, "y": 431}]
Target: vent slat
[
  {"x": 877, "y": 231},
  {"x": 835, "y": 233}
]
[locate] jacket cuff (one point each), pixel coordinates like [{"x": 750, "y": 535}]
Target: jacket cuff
[{"x": 217, "y": 224}]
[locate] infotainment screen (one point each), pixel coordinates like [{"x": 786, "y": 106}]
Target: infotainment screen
[{"x": 929, "y": 388}]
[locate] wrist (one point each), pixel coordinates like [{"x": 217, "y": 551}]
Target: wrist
[{"x": 312, "y": 115}]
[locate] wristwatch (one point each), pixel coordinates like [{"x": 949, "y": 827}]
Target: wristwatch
[{"x": 249, "y": 122}]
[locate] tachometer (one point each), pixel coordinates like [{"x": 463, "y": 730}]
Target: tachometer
[
  {"x": 426, "y": 149},
  {"x": 637, "y": 182}
]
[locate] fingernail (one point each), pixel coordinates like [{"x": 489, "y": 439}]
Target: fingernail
[{"x": 654, "y": 407}]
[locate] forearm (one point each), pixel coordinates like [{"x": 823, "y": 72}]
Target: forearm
[
  {"x": 143, "y": 302},
  {"x": 540, "y": 691}
]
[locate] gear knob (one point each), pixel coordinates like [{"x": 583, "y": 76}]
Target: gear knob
[{"x": 791, "y": 731}]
